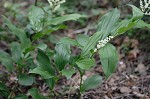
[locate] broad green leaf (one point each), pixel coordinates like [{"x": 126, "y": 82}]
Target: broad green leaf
[
  {"x": 1, "y": 29},
  {"x": 137, "y": 13},
  {"x": 21, "y": 96},
  {"x": 25, "y": 80},
  {"x": 62, "y": 55},
  {"x": 41, "y": 72},
  {"x": 59, "y": 20},
  {"x": 51, "y": 82},
  {"x": 36, "y": 18},
  {"x": 127, "y": 24},
  {"x": 85, "y": 64},
  {"x": 44, "y": 62},
  {"x": 108, "y": 21},
  {"x": 123, "y": 26},
  {"x": 48, "y": 31},
  {"x": 92, "y": 42},
  {"x": 25, "y": 42},
  {"x": 67, "y": 40},
  {"x": 16, "y": 51},
  {"x": 3, "y": 87},
  {"x": 91, "y": 83},
  {"x": 35, "y": 94},
  {"x": 6, "y": 60},
  {"x": 4, "y": 91},
  {"x": 142, "y": 24},
  {"x": 42, "y": 46},
  {"x": 108, "y": 58},
  {"x": 68, "y": 72},
  {"x": 4, "y": 55},
  {"x": 82, "y": 39},
  {"x": 39, "y": 46}
]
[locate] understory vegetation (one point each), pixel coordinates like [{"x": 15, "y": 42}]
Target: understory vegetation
[{"x": 45, "y": 45}]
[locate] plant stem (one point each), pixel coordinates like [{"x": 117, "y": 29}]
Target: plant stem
[{"x": 35, "y": 2}]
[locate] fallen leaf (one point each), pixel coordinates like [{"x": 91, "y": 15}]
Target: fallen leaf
[
  {"x": 125, "y": 90},
  {"x": 133, "y": 53},
  {"x": 134, "y": 43},
  {"x": 141, "y": 69}
]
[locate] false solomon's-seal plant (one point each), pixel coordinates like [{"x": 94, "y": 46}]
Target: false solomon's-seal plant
[{"x": 53, "y": 64}]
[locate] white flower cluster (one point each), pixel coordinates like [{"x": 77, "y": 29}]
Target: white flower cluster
[
  {"x": 145, "y": 6},
  {"x": 55, "y": 4},
  {"x": 102, "y": 43}
]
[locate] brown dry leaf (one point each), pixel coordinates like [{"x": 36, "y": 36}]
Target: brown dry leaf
[
  {"x": 141, "y": 68},
  {"x": 139, "y": 94},
  {"x": 71, "y": 33},
  {"x": 126, "y": 40},
  {"x": 133, "y": 53},
  {"x": 125, "y": 90},
  {"x": 134, "y": 43}
]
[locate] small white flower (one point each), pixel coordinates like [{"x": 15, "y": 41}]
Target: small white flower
[
  {"x": 145, "y": 6},
  {"x": 55, "y": 4},
  {"x": 95, "y": 50},
  {"x": 102, "y": 43}
]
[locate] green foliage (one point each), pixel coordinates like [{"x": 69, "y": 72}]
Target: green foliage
[
  {"x": 91, "y": 82},
  {"x": 68, "y": 72},
  {"x": 4, "y": 91},
  {"x": 25, "y": 42},
  {"x": 85, "y": 64},
  {"x": 35, "y": 94},
  {"x": 25, "y": 80},
  {"x": 6, "y": 60},
  {"x": 21, "y": 96},
  {"x": 27, "y": 55},
  {"x": 36, "y": 18},
  {"x": 108, "y": 58},
  {"x": 62, "y": 55},
  {"x": 59, "y": 20}
]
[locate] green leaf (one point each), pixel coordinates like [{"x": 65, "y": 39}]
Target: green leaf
[
  {"x": 142, "y": 24},
  {"x": 127, "y": 24},
  {"x": 92, "y": 42},
  {"x": 25, "y": 80},
  {"x": 42, "y": 46},
  {"x": 6, "y": 60},
  {"x": 108, "y": 58},
  {"x": 85, "y": 64},
  {"x": 91, "y": 83},
  {"x": 44, "y": 62},
  {"x": 67, "y": 40},
  {"x": 124, "y": 26},
  {"x": 68, "y": 72},
  {"x": 59, "y": 20},
  {"x": 48, "y": 31},
  {"x": 62, "y": 55},
  {"x": 108, "y": 21},
  {"x": 36, "y": 18},
  {"x": 35, "y": 94},
  {"x": 16, "y": 51},
  {"x": 51, "y": 82},
  {"x": 25, "y": 42},
  {"x": 41, "y": 72},
  {"x": 137, "y": 13},
  {"x": 21, "y": 96},
  {"x": 4, "y": 91},
  {"x": 82, "y": 39}
]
